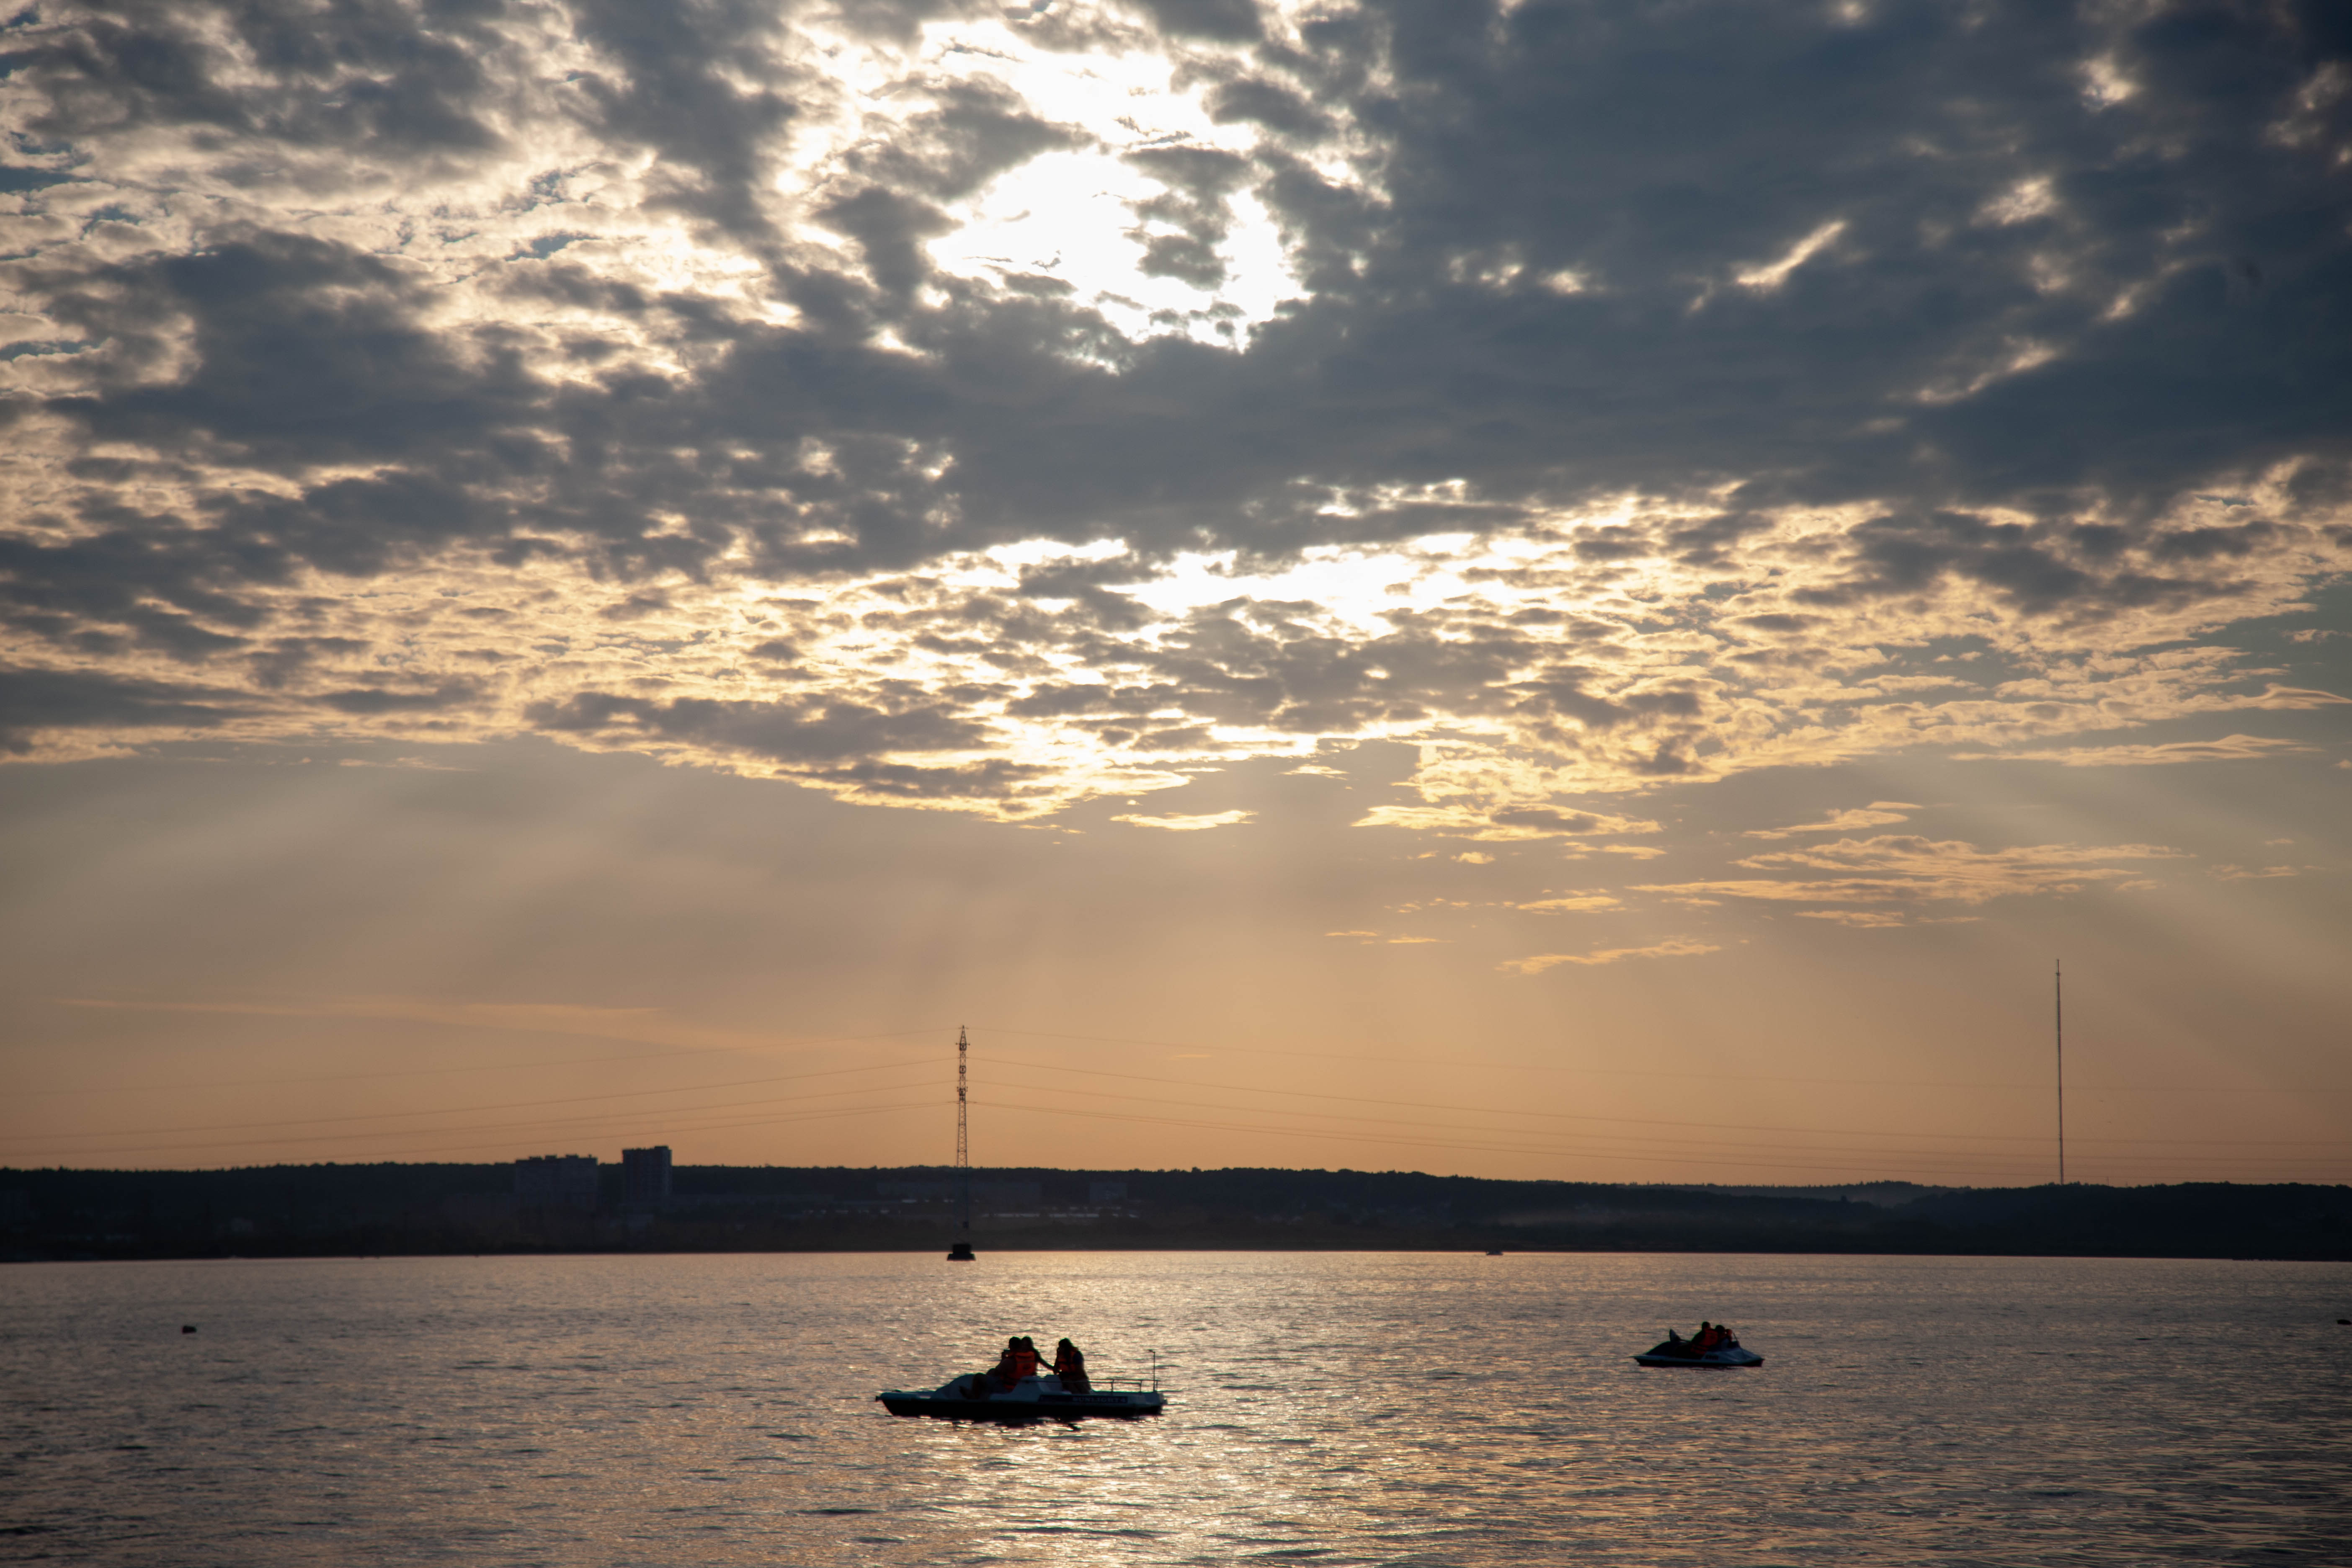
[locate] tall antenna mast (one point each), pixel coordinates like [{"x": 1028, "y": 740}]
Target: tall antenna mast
[
  {"x": 963, "y": 1135},
  {"x": 2058, "y": 1003}
]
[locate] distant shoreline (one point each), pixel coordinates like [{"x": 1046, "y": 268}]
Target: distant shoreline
[
  {"x": 448, "y": 1210},
  {"x": 984, "y": 1251}
]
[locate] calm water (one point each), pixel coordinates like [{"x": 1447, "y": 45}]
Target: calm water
[{"x": 1390, "y": 1408}]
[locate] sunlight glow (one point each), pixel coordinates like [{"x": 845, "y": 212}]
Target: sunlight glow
[{"x": 1082, "y": 215}]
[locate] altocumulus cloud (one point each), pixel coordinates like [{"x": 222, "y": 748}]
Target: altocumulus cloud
[{"x": 948, "y": 405}]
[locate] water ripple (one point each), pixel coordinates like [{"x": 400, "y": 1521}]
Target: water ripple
[{"x": 1368, "y": 1408}]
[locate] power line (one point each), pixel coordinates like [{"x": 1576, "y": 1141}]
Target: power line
[
  {"x": 1617, "y": 1120},
  {"x": 682, "y": 1053},
  {"x": 626, "y": 1121},
  {"x": 1653, "y": 1139},
  {"x": 672, "y": 1128},
  {"x": 1455, "y": 1063},
  {"x": 1457, "y": 1145},
  {"x": 693, "y": 1052},
  {"x": 633, "y": 1118},
  {"x": 637, "y": 1116},
  {"x": 506, "y": 1105}
]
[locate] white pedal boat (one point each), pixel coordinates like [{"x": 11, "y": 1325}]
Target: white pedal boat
[{"x": 978, "y": 1397}]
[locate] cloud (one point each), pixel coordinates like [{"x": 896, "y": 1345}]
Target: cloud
[
  {"x": 1187, "y": 824},
  {"x": 1500, "y": 822},
  {"x": 1882, "y": 920},
  {"x": 402, "y": 764},
  {"x": 1676, "y": 947},
  {"x": 1772, "y": 275},
  {"x": 786, "y": 730},
  {"x": 2245, "y": 874},
  {"x": 2228, "y": 749},
  {"x": 1580, "y": 903},
  {"x": 942, "y": 407},
  {"x": 1879, "y": 814},
  {"x": 43, "y": 702},
  {"x": 2290, "y": 698},
  {"x": 1906, "y": 869}
]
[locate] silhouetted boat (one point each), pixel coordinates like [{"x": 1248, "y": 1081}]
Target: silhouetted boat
[
  {"x": 1674, "y": 1351},
  {"x": 961, "y": 1253},
  {"x": 978, "y": 1397}
]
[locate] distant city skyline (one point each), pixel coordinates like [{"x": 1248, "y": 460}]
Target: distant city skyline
[{"x": 1522, "y": 590}]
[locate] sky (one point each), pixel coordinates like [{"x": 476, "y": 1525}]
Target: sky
[{"x": 1590, "y": 591}]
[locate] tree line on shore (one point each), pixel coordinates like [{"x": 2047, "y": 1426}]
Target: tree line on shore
[{"x": 392, "y": 1208}]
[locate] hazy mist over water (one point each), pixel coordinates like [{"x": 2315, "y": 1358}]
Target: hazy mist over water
[{"x": 1385, "y": 1408}]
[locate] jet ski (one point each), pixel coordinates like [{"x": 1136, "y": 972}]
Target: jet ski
[
  {"x": 1676, "y": 1350},
  {"x": 978, "y": 1396}
]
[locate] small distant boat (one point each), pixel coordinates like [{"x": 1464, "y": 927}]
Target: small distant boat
[
  {"x": 961, "y": 1253},
  {"x": 978, "y": 1397},
  {"x": 1494, "y": 1252},
  {"x": 1676, "y": 1350}
]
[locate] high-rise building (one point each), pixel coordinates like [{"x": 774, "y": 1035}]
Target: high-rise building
[
  {"x": 645, "y": 1176},
  {"x": 556, "y": 1181}
]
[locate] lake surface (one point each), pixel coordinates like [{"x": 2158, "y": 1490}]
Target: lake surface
[{"x": 1407, "y": 1408}]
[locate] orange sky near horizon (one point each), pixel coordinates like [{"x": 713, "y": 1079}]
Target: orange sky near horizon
[{"x": 738, "y": 981}]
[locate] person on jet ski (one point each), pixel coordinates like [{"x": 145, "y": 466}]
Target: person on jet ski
[
  {"x": 1704, "y": 1341},
  {"x": 1070, "y": 1366}
]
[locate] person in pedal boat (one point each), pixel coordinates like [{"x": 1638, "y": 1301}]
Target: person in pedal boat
[
  {"x": 1019, "y": 1361},
  {"x": 1070, "y": 1366}
]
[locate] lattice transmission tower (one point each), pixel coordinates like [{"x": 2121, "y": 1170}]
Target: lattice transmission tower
[
  {"x": 963, "y": 1133},
  {"x": 2058, "y": 1022},
  {"x": 963, "y": 1138}
]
